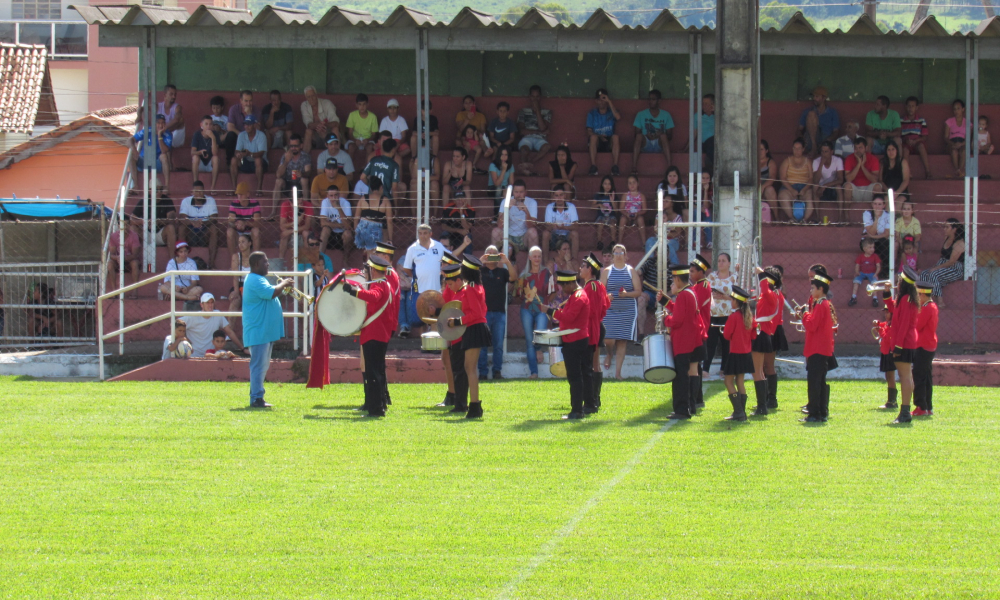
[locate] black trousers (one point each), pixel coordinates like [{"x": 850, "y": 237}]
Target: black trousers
[
  {"x": 457, "y": 356},
  {"x": 681, "y": 385},
  {"x": 229, "y": 143},
  {"x": 579, "y": 358},
  {"x": 716, "y": 342},
  {"x": 375, "y": 391},
  {"x": 816, "y": 368},
  {"x": 923, "y": 379}
]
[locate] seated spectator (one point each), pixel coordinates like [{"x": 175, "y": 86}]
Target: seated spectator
[
  {"x": 244, "y": 218},
  {"x": 469, "y": 115},
  {"x": 818, "y": 123},
  {"x": 601, "y": 122},
  {"x": 174, "y": 340},
  {"x": 295, "y": 170},
  {"x": 398, "y": 130},
  {"x": 561, "y": 222},
  {"x": 201, "y": 330},
  {"x": 288, "y": 226},
  {"x": 951, "y": 266},
  {"x": 605, "y": 203},
  {"x": 456, "y": 178},
  {"x": 386, "y": 169},
  {"x": 457, "y": 220},
  {"x": 476, "y": 146},
  {"x": 564, "y": 259},
  {"x": 276, "y": 120},
  {"x": 165, "y": 219},
  {"x": 373, "y": 219},
  {"x": 882, "y": 125},
  {"x": 240, "y": 261},
  {"x": 431, "y": 124},
  {"x": 187, "y": 287},
  {"x": 913, "y": 129},
  {"x": 562, "y": 169},
  {"x": 866, "y": 268},
  {"x": 908, "y": 225},
  {"x": 672, "y": 186},
  {"x": 311, "y": 256},
  {"x": 362, "y": 129},
  {"x": 251, "y": 153},
  {"x": 521, "y": 232},
  {"x": 907, "y": 254},
  {"x": 876, "y": 228},
  {"x": 501, "y": 170},
  {"x": 121, "y": 256},
  {"x": 828, "y": 178},
  {"x": 235, "y": 126},
  {"x": 954, "y": 138},
  {"x": 205, "y": 150},
  {"x": 895, "y": 174},
  {"x": 220, "y": 123},
  {"x": 452, "y": 248},
  {"x": 336, "y": 222},
  {"x": 344, "y": 161},
  {"x": 862, "y": 171},
  {"x": 319, "y": 116},
  {"x": 218, "y": 350},
  {"x": 796, "y": 197},
  {"x": 197, "y": 223},
  {"x": 502, "y": 130},
  {"x": 174, "y": 114},
  {"x": 675, "y": 235},
  {"x": 654, "y": 128},
  {"x": 633, "y": 210},
  {"x": 769, "y": 184},
  {"x": 845, "y": 143},
  {"x": 162, "y": 143},
  {"x": 533, "y": 124},
  {"x": 330, "y": 175},
  {"x": 983, "y": 136}
]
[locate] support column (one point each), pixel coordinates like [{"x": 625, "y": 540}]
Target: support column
[
  {"x": 147, "y": 94},
  {"x": 971, "y": 212},
  {"x": 736, "y": 118},
  {"x": 423, "y": 149}
]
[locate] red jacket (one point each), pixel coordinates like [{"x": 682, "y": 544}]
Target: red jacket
[
  {"x": 473, "y": 299},
  {"x": 768, "y": 308},
  {"x": 575, "y": 314},
  {"x": 703, "y": 290},
  {"x": 376, "y": 296},
  {"x": 904, "y": 325},
  {"x": 818, "y": 324},
  {"x": 393, "y": 278},
  {"x": 597, "y": 295},
  {"x": 890, "y": 305},
  {"x": 780, "y": 319},
  {"x": 687, "y": 331},
  {"x": 885, "y": 338},
  {"x": 738, "y": 335},
  {"x": 927, "y": 323}
]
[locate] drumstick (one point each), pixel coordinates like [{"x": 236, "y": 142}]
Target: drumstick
[{"x": 788, "y": 360}]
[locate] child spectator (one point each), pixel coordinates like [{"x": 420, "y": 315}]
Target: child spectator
[
  {"x": 633, "y": 207},
  {"x": 866, "y": 268},
  {"x": 398, "y": 130},
  {"x": 845, "y": 143},
  {"x": 562, "y": 169},
  {"x": 469, "y": 115},
  {"x": 177, "y": 340},
  {"x": 909, "y": 256},
  {"x": 908, "y": 226},
  {"x": 321, "y": 275},
  {"x": 601, "y": 122},
  {"x": 362, "y": 126},
  {"x": 672, "y": 186},
  {"x": 954, "y": 137},
  {"x": 475, "y": 145},
  {"x": 985, "y": 141},
  {"x": 502, "y": 130},
  {"x": 218, "y": 349},
  {"x": 220, "y": 121},
  {"x": 500, "y": 171},
  {"x": 914, "y": 130},
  {"x": 606, "y": 204},
  {"x": 429, "y": 122},
  {"x": 187, "y": 287}
]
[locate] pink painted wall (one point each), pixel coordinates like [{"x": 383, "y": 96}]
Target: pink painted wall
[{"x": 113, "y": 72}]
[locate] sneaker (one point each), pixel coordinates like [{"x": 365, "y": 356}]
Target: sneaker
[
  {"x": 615, "y": 171},
  {"x": 259, "y": 404},
  {"x": 497, "y": 375},
  {"x": 852, "y": 301},
  {"x": 875, "y": 302},
  {"x": 592, "y": 170},
  {"x": 573, "y": 416},
  {"x": 918, "y": 412},
  {"x": 929, "y": 413},
  {"x": 404, "y": 333}
]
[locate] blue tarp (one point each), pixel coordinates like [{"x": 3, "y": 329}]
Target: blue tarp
[{"x": 46, "y": 210}]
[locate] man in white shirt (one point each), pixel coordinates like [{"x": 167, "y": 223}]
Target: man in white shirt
[
  {"x": 333, "y": 151},
  {"x": 522, "y": 234},
  {"x": 561, "y": 222},
  {"x": 200, "y": 329},
  {"x": 423, "y": 260},
  {"x": 828, "y": 178},
  {"x": 187, "y": 285},
  {"x": 335, "y": 216},
  {"x": 197, "y": 223},
  {"x": 319, "y": 115}
]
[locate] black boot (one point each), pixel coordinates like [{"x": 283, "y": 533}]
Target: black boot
[
  {"x": 598, "y": 382},
  {"x": 772, "y": 392},
  {"x": 826, "y": 403},
  {"x": 699, "y": 396},
  {"x": 449, "y": 400},
  {"x": 475, "y": 411},
  {"x": 742, "y": 416},
  {"x": 739, "y": 413},
  {"x": 904, "y": 415},
  {"x": 760, "y": 390},
  {"x": 364, "y": 386},
  {"x": 891, "y": 402},
  {"x": 694, "y": 385},
  {"x": 460, "y": 405}
]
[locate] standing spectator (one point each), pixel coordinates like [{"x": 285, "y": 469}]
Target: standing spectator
[
  {"x": 174, "y": 114},
  {"x": 162, "y": 143},
  {"x": 423, "y": 260},
  {"x": 197, "y": 224},
  {"x": 333, "y": 150},
  {"x": 908, "y": 225},
  {"x": 287, "y": 225},
  {"x": 521, "y": 233},
  {"x": 407, "y": 316},
  {"x": 220, "y": 123},
  {"x": 431, "y": 124},
  {"x": 497, "y": 275},
  {"x": 456, "y": 178},
  {"x": 561, "y": 222},
  {"x": 532, "y": 285},
  {"x": 876, "y": 229},
  {"x": 263, "y": 323},
  {"x": 954, "y": 138},
  {"x": 122, "y": 256},
  {"x": 706, "y": 130},
  {"x": 240, "y": 261},
  {"x": 164, "y": 220},
  {"x": 562, "y": 169},
  {"x": 882, "y": 126},
  {"x": 828, "y": 178},
  {"x": 276, "y": 120},
  {"x": 238, "y": 113},
  {"x": 335, "y": 219},
  {"x": 457, "y": 220},
  {"x": 187, "y": 285},
  {"x": 707, "y": 209},
  {"x": 624, "y": 285},
  {"x": 373, "y": 220},
  {"x": 533, "y": 124},
  {"x": 201, "y": 330},
  {"x": 721, "y": 280},
  {"x": 845, "y": 143},
  {"x": 654, "y": 128},
  {"x": 633, "y": 210},
  {"x": 469, "y": 115},
  {"x": 397, "y": 127},
  {"x": 862, "y": 171},
  {"x": 866, "y": 268},
  {"x": 387, "y": 170},
  {"x": 606, "y": 205},
  {"x": 319, "y": 116},
  {"x": 244, "y": 218},
  {"x": 817, "y": 124},
  {"x": 796, "y": 198},
  {"x": 362, "y": 127},
  {"x": 330, "y": 175},
  {"x": 895, "y": 172},
  {"x": 951, "y": 266},
  {"x": 914, "y": 131},
  {"x": 205, "y": 151},
  {"x": 769, "y": 184},
  {"x": 601, "y": 122},
  {"x": 251, "y": 153},
  {"x": 500, "y": 173},
  {"x": 502, "y": 131}
]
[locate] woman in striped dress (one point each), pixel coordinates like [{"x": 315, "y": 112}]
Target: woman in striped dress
[
  {"x": 951, "y": 266},
  {"x": 624, "y": 285}
]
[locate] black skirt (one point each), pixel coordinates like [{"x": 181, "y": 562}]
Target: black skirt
[
  {"x": 831, "y": 363},
  {"x": 762, "y": 343},
  {"x": 738, "y": 364},
  {"x": 778, "y": 341},
  {"x": 477, "y": 336},
  {"x": 603, "y": 333},
  {"x": 906, "y": 355},
  {"x": 698, "y": 354},
  {"x": 886, "y": 363}
]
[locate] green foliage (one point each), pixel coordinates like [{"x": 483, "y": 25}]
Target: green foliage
[
  {"x": 514, "y": 13},
  {"x": 775, "y": 14}
]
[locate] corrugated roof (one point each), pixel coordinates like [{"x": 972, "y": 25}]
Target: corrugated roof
[
  {"x": 116, "y": 124},
  {"x": 25, "y": 88}
]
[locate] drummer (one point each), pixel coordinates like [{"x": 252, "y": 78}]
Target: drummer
[
  {"x": 574, "y": 314},
  {"x": 700, "y": 266},
  {"x": 600, "y": 302},
  {"x": 452, "y": 353},
  {"x": 375, "y": 332},
  {"x": 476, "y": 336},
  {"x": 447, "y": 295},
  {"x": 385, "y": 250},
  {"x": 687, "y": 334}
]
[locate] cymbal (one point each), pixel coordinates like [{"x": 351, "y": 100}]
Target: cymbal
[
  {"x": 447, "y": 332},
  {"x": 428, "y": 304}
]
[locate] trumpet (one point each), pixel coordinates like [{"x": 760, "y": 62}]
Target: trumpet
[
  {"x": 798, "y": 326},
  {"x": 875, "y": 334},
  {"x": 299, "y": 295},
  {"x": 878, "y": 286}
]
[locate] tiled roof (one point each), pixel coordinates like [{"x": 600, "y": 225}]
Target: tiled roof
[
  {"x": 116, "y": 124},
  {"x": 24, "y": 87}
]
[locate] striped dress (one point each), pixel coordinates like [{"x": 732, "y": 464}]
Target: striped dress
[{"x": 621, "y": 317}]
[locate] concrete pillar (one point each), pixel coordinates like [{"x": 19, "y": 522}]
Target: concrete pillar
[{"x": 737, "y": 113}]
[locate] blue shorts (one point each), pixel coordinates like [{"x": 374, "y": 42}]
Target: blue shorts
[
  {"x": 367, "y": 234},
  {"x": 863, "y": 277},
  {"x": 652, "y": 145},
  {"x": 141, "y": 165},
  {"x": 534, "y": 142}
]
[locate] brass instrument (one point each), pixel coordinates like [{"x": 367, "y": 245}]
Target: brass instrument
[
  {"x": 875, "y": 334},
  {"x": 298, "y": 295},
  {"x": 878, "y": 286},
  {"x": 798, "y": 326}
]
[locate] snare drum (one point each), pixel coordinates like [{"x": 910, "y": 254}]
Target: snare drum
[
  {"x": 551, "y": 337},
  {"x": 432, "y": 342}
]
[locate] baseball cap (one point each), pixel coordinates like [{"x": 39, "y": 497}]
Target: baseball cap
[
  {"x": 207, "y": 296},
  {"x": 818, "y": 90},
  {"x": 243, "y": 189},
  {"x": 331, "y": 163},
  {"x": 180, "y": 245},
  {"x": 161, "y": 117},
  {"x": 392, "y": 102},
  {"x": 249, "y": 120},
  {"x": 332, "y": 138}
]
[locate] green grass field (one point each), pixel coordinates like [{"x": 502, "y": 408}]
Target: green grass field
[{"x": 126, "y": 490}]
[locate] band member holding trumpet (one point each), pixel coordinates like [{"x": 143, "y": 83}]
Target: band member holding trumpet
[
  {"x": 904, "y": 337},
  {"x": 700, "y": 267},
  {"x": 819, "y": 322},
  {"x": 779, "y": 343},
  {"x": 476, "y": 336},
  {"x": 923, "y": 375},
  {"x": 768, "y": 307},
  {"x": 263, "y": 323},
  {"x": 740, "y": 331},
  {"x": 600, "y": 302},
  {"x": 375, "y": 333},
  {"x": 687, "y": 333},
  {"x": 574, "y": 313},
  {"x": 886, "y": 364}
]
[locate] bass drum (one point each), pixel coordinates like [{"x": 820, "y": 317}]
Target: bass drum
[
  {"x": 658, "y": 359},
  {"x": 339, "y": 312}
]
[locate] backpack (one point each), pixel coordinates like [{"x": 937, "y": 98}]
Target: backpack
[{"x": 202, "y": 265}]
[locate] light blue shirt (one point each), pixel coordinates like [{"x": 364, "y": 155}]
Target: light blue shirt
[
  {"x": 650, "y": 125},
  {"x": 262, "y": 318},
  {"x": 707, "y": 127}
]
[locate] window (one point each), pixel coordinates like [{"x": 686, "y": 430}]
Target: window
[{"x": 37, "y": 9}]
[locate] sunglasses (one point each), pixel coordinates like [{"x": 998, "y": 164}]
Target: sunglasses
[{"x": 312, "y": 245}]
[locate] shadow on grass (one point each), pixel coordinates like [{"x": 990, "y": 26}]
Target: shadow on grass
[
  {"x": 723, "y": 426},
  {"x": 252, "y": 409},
  {"x": 655, "y": 415},
  {"x": 359, "y": 417},
  {"x": 335, "y": 407},
  {"x": 899, "y": 425}
]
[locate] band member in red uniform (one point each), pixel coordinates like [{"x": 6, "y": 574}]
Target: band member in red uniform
[
  {"x": 768, "y": 307},
  {"x": 386, "y": 251},
  {"x": 574, "y": 313},
  {"x": 600, "y": 302},
  {"x": 476, "y": 336},
  {"x": 819, "y": 323},
  {"x": 375, "y": 332},
  {"x": 904, "y": 337},
  {"x": 923, "y": 375},
  {"x": 817, "y": 269},
  {"x": 740, "y": 330},
  {"x": 447, "y": 295},
  {"x": 687, "y": 334},
  {"x": 779, "y": 343},
  {"x": 699, "y": 269},
  {"x": 886, "y": 364}
]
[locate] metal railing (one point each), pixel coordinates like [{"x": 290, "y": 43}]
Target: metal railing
[
  {"x": 55, "y": 307},
  {"x": 62, "y": 39}
]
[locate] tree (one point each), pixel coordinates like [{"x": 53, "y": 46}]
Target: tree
[
  {"x": 775, "y": 15},
  {"x": 514, "y": 13}
]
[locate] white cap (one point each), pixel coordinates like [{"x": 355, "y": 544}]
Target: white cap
[
  {"x": 207, "y": 296},
  {"x": 392, "y": 102}
]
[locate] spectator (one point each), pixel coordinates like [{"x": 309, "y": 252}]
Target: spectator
[
  {"x": 796, "y": 197},
  {"x": 240, "y": 261},
  {"x": 287, "y": 224},
  {"x": 197, "y": 224},
  {"x": 162, "y": 144},
  {"x": 244, "y": 218},
  {"x": 561, "y": 222},
  {"x": 319, "y": 116},
  {"x": 431, "y": 124},
  {"x": 866, "y": 268},
  {"x": 769, "y": 184},
  {"x": 828, "y": 178},
  {"x": 707, "y": 199},
  {"x": 295, "y": 170},
  {"x": 707, "y": 131},
  {"x": 456, "y": 178},
  {"x": 311, "y": 255},
  {"x": 457, "y": 220},
  {"x": 501, "y": 170},
  {"x": 908, "y": 225},
  {"x": 276, "y": 120},
  {"x": 675, "y": 235},
  {"x": 476, "y": 146},
  {"x": 882, "y": 125},
  {"x": 876, "y": 223},
  {"x": 625, "y": 286},
  {"x": 601, "y": 122},
  {"x": 954, "y": 137},
  {"x": 187, "y": 287},
  {"x": 396, "y": 126},
  {"x": 235, "y": 126},
  {"x": 647, "y": 300},
  {"x": 533, "y": 124},
  {"x": 335, "y": 219},
  {"x": 951, "y": 266},
  {"x": 497, "y": 275},
  {"x": 407, "y": 301},
  {"x": 532, "y": 285},
  {"x": 122, "y": 256},
  {"x": 654, "y": 128},
  {"x": 362, "y": 127},
  {"x": 913, "y": 129},
  {"x": 469, "y": 115},
  {"x": 895, "y": 172},
  {"x": 633, "y": 210},
  {"x": 330, "y": 175},
  {"x": 220, "y": 123},
  {"x": 845, "y": 143},
  {"x": 562, "y": 169},
  {"x": 907, "y": 254},
  {"x": 433, "y": 183},
  {"x": 218, "y": 350},
  {"x": 205, "y": 151},
  {"x": 373, "y": 218},
  {"x": 251, "y": 152},
  {"x": 983, "y": 136},
  {"x": 862, "y": 171},
  {"x": 423, "y": 260},
  {"x": 521, "y": 223},
  {"x": 721, "y": 280},
  {"x": 201, "y": 330},
  {"x": 564, "y": 260},
  {"x": 333, "y": 150},
  {"x": 173, "y": 341},
  {"x": 606, "y": 206},
  {"x": 164, "y": 221},
  {"x": 387, "y": 170},
  {"x": 817, "y": 124},
  {"x": 671, "y": 184},
  {"x": 174, "y": 114},
  {"x": 502, "y": 131}
]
